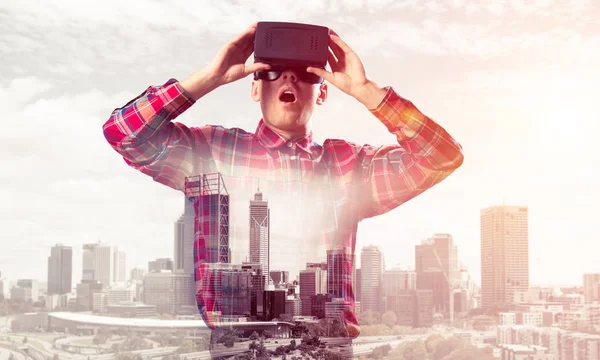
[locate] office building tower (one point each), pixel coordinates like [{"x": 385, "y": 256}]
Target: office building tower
[
  {"x": 260, "y": 232},
  {"x": 372, "y": 267},
  {"x": 357, "y": 285},
  {"x": 504, "y": 254},
  {"x": 279, "y": 276},
  {"x": 207, "y": 201},
  {"x": 137, "y": 274},
  {"x": 96, "y": 263},
  {"x": 312, "y": 281},
  {"x": 160, "y": 264},
  {"x": 397, "y": 279},
  {"x": 437, "y": 269},
  {"x": 60, "y": 270},
  {"x": 591, "y": 285},
  {"x": 183, "y": 258},
  {"x": 340, "y": 266},
  {"x": 169, "y": 291},
  {"x": 119, "y": 262}
]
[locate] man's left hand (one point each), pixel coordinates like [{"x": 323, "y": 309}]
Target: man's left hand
[{"x": 348, "y": 73}]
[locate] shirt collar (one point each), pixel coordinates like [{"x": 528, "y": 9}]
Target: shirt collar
[{"x": 272, "y": 140}]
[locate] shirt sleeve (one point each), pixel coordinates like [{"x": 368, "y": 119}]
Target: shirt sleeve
[
  {"x": 425, "y": 154},
  {"x": 144, "y": 134}
]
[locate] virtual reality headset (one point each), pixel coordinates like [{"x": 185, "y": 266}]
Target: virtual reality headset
[{"x": 291, "y": 44}]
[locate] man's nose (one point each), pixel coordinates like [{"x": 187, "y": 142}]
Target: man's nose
[{"x": 289, "y": 74}]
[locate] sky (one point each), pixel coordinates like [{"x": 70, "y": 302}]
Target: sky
[{"x": 513, "y": 81}]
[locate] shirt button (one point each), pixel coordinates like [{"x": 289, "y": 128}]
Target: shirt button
[{"x": 289, "y": 144}]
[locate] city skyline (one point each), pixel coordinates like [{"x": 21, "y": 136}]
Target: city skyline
[
  {"x": 112, "y": 250},
  {"x": 494, "y": 87}
]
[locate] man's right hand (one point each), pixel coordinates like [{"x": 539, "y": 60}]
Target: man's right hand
[{"x": 227, "y": 66}]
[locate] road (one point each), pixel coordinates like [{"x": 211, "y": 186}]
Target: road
[
  {"x": 146, "y": 354},
  {"x": 360, "y": 346}
]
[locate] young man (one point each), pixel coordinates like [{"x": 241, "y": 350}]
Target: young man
[{"x": 323, "y": 191}]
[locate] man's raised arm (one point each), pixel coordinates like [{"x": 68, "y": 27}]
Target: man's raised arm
[
  {"x": 425, "y": 155},
  {"x": 388, "y": 176},
  {"x": 143, "y": 131}
]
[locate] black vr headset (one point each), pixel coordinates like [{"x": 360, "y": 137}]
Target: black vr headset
[{"x": 294, "y": 46}]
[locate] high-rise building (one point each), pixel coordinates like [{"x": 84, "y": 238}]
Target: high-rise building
[
  {"x": 207, "y": 203},
  {"x": 119, "y": 262},
  {"x": 96, "y": 263},
  {"x": 160, "y": 264},
  {"x": 279, "y": 276},
  {"x": 137, "y": 274},
  {"x": 591, "y": 286},
  {"x": 169, "y": 291},
  {"x": 437, "y": 268},
  {"x": 504, "y": 254},
  {"x": 60, "y": 270},
  {"x": 372, "y": 267},
  {"x": 340, "y": 269},
  {"x": 399, "y": 278},
  {"x": 312, "y": 281},
  {"x": 260, "y": 232},
  {"x": 184, "y": 239}
]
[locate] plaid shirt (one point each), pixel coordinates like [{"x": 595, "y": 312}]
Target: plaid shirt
[{"x": 362, "y": 181}]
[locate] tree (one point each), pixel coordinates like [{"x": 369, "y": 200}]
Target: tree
[
  {"x": 188, "y": 346},
  {"x": 432, "y": 342},
  {"x": 380, "y": 352},
  {"x": 413, "y": 350},
  {"x": 259, "y": 351},
  {"x": 25, "y": 340},
  {"x": 389, "y": 318},
  {"x": 446, "y": 347},
  {"x": 369, "y": 318},
  {"x": 228, "y": 337},
  {"x": 254, "y": 336},
  {"x": 470, "y": 353}
]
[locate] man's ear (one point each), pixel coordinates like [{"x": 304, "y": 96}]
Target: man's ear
[
  {"x": 322, "y": 94},
  {"x": 254, "y": 92}
]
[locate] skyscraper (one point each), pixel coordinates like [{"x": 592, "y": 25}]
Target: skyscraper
[
  {"x": 372, "y": 267},
  {"x": 591, "y": 285},
  {"x": 119, "y": 262},
  {"x": 504, "y": 254},
  {"x": 312, "y": 281},
  {"x": 184, "y": 239},
  {"x": 399, "y": 279},
  {"x": 260, "y": 232},
  {"x": 340, "y": 265},
  {"x": 436, "y": 265},
  {"x": 207, "y": 204},
  {"x": 60, "y": 269},
  {"x": 96, "y": 263}
]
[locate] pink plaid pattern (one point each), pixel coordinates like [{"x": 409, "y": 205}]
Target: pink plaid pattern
[{"x": 363, "y": 180}]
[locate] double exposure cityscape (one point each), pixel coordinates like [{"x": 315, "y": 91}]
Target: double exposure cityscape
[{"x": 151, "y": 313}]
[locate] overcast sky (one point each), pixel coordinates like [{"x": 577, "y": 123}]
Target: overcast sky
[{"x": 515, "y": 82}]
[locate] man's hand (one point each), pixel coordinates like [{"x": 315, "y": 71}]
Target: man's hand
[
  {"x": 227, "y": 66},
  {"x": 348, "y": 73}
]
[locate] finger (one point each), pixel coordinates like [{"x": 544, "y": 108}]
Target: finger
[
  {"x": 321, "y": 72},
  {"x": 337, "y": 50},
  {"x": 249, "y": 69},
  {"x": 340, "y": 43},
  {"x": 248, "y": 50},
  {"x": 247, "y": 36},
  {"x": 333, "y": 63}
]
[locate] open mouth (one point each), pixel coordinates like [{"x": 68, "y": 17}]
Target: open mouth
[{"x": 287, "y": 96}]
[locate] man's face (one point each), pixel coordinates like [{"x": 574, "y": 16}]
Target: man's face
[{"x": 288, "y": 103}]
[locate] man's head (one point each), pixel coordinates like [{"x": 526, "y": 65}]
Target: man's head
[{"x": 288, "y": 96}]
